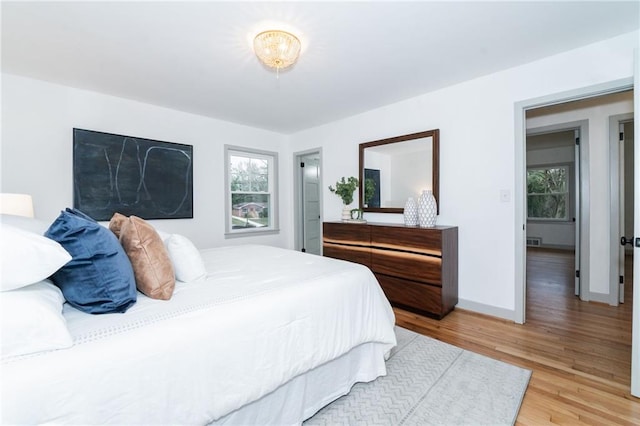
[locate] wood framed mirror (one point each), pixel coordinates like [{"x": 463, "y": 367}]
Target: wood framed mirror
[{"x": 394, "y": 169}]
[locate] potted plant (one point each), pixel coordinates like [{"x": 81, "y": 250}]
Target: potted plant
[{"x": 345, "y": 189}]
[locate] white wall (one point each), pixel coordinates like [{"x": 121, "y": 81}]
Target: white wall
[
  {"x": 476, "y": 122},
  {"x": 37, "y": 123},
  {"x": 410, "y": 175}
]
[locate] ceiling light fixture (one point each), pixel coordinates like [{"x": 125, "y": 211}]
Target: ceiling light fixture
[{"x": 277, "y": 49}]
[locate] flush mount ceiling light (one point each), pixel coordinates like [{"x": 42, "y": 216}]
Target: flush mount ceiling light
[{"x": 277, "y": 49}]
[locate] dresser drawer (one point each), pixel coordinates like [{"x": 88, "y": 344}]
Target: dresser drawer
[
  {"x": 409, "y": 294},
  {"x": 355, "y": 254},
  {"x": 412, "y": 266},
  {"x": 419, "y": 240},
  {"x": 344, "y": 233}
]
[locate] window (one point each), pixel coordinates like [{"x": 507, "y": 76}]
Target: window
[
  {"x": 251, "y": 182},
  {"x": 548, "y": 193}
]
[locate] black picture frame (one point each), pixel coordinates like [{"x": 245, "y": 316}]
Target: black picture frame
[{"x": 147, "y": 178}]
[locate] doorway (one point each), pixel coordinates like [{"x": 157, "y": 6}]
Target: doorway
[
  {"x": 553, "y": 193},
  {"x": 590, "y": 110},
  {"x": 597, "y": 195},
  {"x": 308, "y": 202}
]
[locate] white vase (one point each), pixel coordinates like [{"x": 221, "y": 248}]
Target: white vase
[
  {"x": 346, "y": 213},
  {"x": 411, "y": 212},
  {"x": 427, "y": 209}
]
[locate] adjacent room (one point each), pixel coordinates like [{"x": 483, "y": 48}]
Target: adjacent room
[{"x": 267, "y": 213}]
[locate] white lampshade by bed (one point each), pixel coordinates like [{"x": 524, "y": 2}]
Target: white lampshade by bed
[{"x": 16, "y": 204}]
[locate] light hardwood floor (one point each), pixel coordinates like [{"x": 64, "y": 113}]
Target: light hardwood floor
[{"x": 579, "y": 352}]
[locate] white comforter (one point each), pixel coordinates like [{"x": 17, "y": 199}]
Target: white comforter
[{"x": 263, "y": 316}]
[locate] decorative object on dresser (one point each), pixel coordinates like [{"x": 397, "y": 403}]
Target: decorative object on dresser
[
  {"x": 416, "y": 267},
  {"x": 411, "y": 212},
  {"x": 345, "y": 189},
  {"x": 427, "y": 209}
]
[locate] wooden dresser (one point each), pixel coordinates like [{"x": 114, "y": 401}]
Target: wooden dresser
[{"x": 416, "y": 267}]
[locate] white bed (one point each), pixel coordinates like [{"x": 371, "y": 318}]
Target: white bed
[{"x": 269, "y": 337}]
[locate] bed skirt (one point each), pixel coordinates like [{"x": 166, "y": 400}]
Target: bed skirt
[{"x": 304, "y": 395}]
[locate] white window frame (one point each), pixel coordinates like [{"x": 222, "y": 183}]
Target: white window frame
[
  {"x": 569, "y": 197},
  {"x": 272, "y": 158}
]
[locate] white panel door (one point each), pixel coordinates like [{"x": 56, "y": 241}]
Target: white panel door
[{"x": 311, "y": 205}]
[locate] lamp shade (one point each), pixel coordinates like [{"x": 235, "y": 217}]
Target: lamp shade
[{"x": 16, "y": 204}]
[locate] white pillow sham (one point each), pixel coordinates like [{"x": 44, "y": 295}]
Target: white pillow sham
[
  {"x": 186, "y": 258},
  {"x": 27, "y": 258},
  {"x": 31, "y": 320},
  {"x": 30, "y": 224}
]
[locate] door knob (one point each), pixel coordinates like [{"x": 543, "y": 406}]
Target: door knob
[{"x": 624, "y": 241}]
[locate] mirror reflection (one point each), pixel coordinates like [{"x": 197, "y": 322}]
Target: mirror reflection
[{"x": 394, "y": 169}]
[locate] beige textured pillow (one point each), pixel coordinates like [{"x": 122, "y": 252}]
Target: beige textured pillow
[
  {"x": 151, "y": 263},
  {"x": 116, "y": 222}
]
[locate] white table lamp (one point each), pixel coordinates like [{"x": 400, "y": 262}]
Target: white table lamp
[{"x": 16, "y": 204}]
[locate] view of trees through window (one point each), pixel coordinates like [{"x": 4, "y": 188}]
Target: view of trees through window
[
  {"x": 250, "y": 192},
  {"x": 548, "y": 193}
]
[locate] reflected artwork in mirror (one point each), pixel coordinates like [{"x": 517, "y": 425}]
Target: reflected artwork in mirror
[{"x": 394, "y": 169}]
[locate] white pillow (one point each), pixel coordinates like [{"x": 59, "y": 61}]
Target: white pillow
[
  {"x": 26, "y": 257},
  {"x": 164, "y": 236},
  {"x": 25, "y": 223},
  {"x": 31, "y": 320},
  {"x": 187, "y": 261}
]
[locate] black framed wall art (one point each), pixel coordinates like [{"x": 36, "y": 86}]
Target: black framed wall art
[{"x": 133, "y": 176}]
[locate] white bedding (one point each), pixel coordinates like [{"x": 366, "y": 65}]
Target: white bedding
[{"x": 262, "y": 317}]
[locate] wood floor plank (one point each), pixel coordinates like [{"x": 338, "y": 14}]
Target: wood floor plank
[{"x": 579, "y": 352}]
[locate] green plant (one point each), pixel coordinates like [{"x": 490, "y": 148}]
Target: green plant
[
  {"x": 369, "y": 190},
  {"x": 345, "y": 188}
]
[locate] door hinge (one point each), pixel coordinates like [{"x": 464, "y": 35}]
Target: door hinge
[
  {"x": 621, "y": 279},
  {"x": 621, "y": 136},
  {"x": 577, "y": 274},
  {"x": 577, "y": 141},
  {"x": 302, "y": 164}
]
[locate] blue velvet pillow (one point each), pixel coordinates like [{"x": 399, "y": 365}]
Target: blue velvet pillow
[{"x": 99, "y": 278}]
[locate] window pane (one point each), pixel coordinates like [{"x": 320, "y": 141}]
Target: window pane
[
  {"x": 547, "y": 181},
  {"x": 249, "y": 174},
  {"x": 250, "y": 210},
  {"x": 547, "y": 206},
  {"x": 548, "y": 193},
  {"x": 251, "y": 192}
]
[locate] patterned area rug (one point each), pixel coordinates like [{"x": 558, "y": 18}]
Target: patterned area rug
[{"x": 429, "y": 382}]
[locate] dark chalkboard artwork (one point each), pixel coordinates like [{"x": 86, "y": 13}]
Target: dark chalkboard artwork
[{"x": 133, "y": 176}]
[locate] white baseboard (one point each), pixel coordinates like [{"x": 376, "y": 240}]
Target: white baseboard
[
  {"x": 481, "y": 308},
  {"x": 599, "y": 297}
]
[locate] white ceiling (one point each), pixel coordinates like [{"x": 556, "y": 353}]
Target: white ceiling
[{"x": 195, "y": 56}]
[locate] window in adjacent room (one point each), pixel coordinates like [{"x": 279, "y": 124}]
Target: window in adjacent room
[
  {"x": 251, "y": 182},
  {"x": 548, "y": 193}
]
